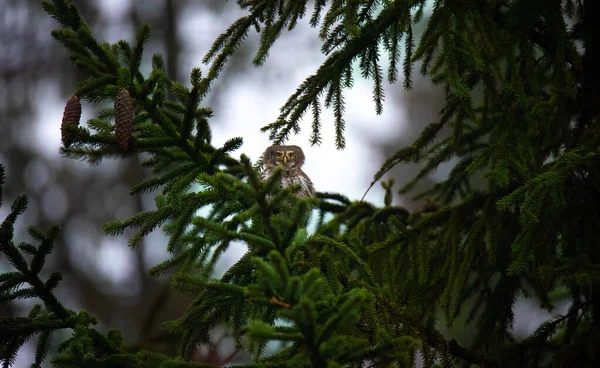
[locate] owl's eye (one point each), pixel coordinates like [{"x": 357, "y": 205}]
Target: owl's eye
[
  {"x": 291, "y": 155},
  {"x": 278, "y": 155}
]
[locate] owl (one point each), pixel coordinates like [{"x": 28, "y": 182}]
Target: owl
[{"x": 291, "y": 158}]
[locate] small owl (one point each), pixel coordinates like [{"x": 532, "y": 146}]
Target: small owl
[{"x": 291, "y": 158}]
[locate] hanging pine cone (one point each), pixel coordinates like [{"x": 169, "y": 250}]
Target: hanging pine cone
[
  {"x": 123, "y": 119},
  {"x": 71, "y": 116}
]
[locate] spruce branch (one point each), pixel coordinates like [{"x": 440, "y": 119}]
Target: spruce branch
[{"x": 15, "y": 331}]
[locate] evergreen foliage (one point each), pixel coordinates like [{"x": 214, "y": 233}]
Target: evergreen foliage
[{"x": 372, "y": 286}]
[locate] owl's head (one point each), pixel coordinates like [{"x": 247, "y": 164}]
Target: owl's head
[{"x": 290, "y": 157}]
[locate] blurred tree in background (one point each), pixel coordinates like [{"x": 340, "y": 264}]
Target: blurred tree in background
[{"x": 370, "y": 286}]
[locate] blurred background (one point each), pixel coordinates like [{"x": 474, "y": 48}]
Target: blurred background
[{"x": 101, "y": 274}]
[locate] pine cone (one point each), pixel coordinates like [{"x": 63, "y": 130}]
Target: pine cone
[
  {"x": 71, "y": 116},
  {"x": 123, "y": 119}
]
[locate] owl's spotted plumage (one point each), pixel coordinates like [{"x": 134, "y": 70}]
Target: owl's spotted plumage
[{"x": 291, "y": 158}]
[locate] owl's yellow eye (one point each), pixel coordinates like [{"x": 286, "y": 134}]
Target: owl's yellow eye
[
  {"x": 278, "y": 155},
  {"x": 291, "y": 155}
]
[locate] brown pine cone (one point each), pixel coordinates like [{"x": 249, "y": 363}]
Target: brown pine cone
[
  {"x": 71, "y": 116},
  {"x": 123, "y": 119}
]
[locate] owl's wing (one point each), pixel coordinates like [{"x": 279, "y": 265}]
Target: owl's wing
[
  {"x": 264, "y": 174},
  {"x": 308, "y": 189}
]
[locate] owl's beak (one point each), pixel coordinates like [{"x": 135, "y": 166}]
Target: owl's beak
[{"x": 285, "y": 159}]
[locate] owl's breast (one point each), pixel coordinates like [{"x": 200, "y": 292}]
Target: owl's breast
[{"x": 288, "y": 180}]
